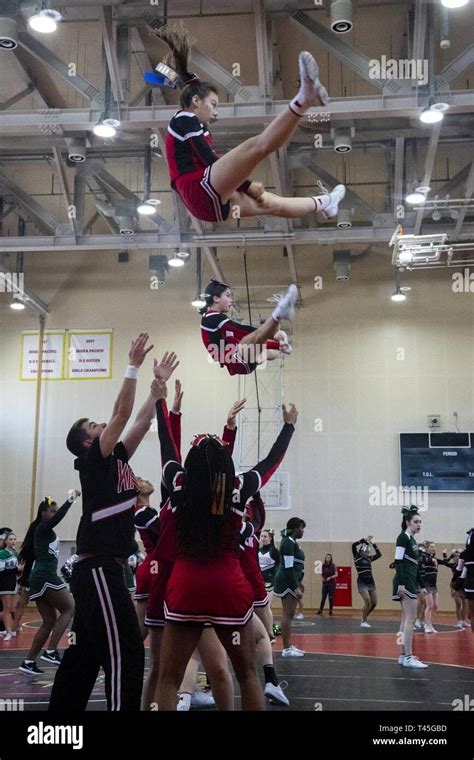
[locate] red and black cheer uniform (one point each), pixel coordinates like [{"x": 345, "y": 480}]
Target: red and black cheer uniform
[
  {"x": 165, "y": 552},
  {"x": 148, "y": 525},
  {"x": 214, "y": 592},
  {"x": 105, "y": 627},
  {"x": 190, "y": 155},
  {"x": 466, "y": 565},
  {"x": 249, "y": 548},
  {"x": 146, "y": 522},
  {"x": 222, "y": 336}
]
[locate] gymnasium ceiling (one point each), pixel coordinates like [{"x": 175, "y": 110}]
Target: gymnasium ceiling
[{"x": 110, "y": 45}]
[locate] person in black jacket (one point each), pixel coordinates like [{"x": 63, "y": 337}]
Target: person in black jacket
[{"x": 362, "y": 551}]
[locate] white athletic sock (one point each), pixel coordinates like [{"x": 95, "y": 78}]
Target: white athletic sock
[
  {"x": 321, "y": 201},
  {"x": 297, "y": 106}
]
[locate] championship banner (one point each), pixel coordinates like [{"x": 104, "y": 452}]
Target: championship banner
[
  {"x": 89, "y": 355},
  {"x": 53, "y": 355},
  {"x": 343, "y": 592}
]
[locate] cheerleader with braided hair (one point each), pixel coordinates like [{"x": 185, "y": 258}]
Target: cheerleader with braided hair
[
  {"x": 209, "y": 184},
  {"x": 206, "y": 584}
]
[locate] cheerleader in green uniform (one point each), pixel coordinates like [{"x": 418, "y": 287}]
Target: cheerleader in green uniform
[
  {"x": 288, "y": 578},
  {"x": 407, "y": 583},
  {"x": 47, "y": 589},
  {"x": 8, "y": 585}
]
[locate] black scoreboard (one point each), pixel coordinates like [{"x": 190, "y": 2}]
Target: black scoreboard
[{"x": 437, "y": 461}]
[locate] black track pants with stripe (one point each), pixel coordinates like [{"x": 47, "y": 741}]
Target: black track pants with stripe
[{"x": 107, "y": 635}]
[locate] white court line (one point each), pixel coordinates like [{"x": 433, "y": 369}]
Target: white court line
[
  {"x": 47, "y": 703},
  {"x": 391, "y": 660}
]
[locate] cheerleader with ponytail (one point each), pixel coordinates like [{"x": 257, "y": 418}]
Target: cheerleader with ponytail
[{"x": 209, "y": 184}]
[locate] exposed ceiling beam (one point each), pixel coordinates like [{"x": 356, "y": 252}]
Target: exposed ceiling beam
[
  {"x": 139, "y": 118},
  {"x": 275, "y": 62},
  {"x": 44, "y": 54},
  {"x": 96, "y": 186},
  {"x": 429, "y": 166},
  {"x": 454, "y": 69},
  {"x": 448, "y": 187},
  {"x": 351, "y": 196},
  {"x": 42, "y": 217},
  {"x": 219, "y": 74},
  {"x": 120, "y": 188},
  {"x": 16, "y": 98},
  {"x": 419, "y": 30},
  {"x": 210, "y": 252},
  {"x": 278, "y": 167},
  {"x": 32, "y": 301},
  {"x": 348, "y": 55},
  {"x": 91, "y": 222},
  {"x": 468, "y": 195},
  {"x": 63, "y": 181},
  {"x": 124, "y": 56},
  {"x": 138, "y": 38},
  {"x": 110, "y": 47},
  {"x": 79, "y": 197},
  {"x": 23, "y": 65},
  {"x": 398, "y": 167},
  {"x": 263, "y": 62},
  {"x": 322, "y": 236}
]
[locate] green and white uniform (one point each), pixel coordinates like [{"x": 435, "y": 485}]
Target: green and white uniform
[
  {"x": 8, "y": 571},
  {"x": 407, "y": 569},
  {"x": 291, "y": 568},
  {"x": 44, "y": 574},
  {"x": 268, "y": 559}
]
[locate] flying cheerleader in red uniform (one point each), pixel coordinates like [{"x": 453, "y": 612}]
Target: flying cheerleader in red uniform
[
  {"x": 210, "y": 185},
  {"x": 241, "y": 348}
]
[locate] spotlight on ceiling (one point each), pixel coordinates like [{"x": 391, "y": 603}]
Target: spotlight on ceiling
[
  {"x": 45, "y": 21},
  {"x": 77, "y": 150},
  {"x": 431, "y": 115},
  {"x": 8, "y": 34},
  {"x": 342, "y": 265},
  {"x": 17, "y": 303},
  {"x": 344, "y": 218},
  {"x": 179, "y": 258},
  {"x": 398, "y": 296},
  {"x": 106, "y": 128},
  {"x": 341, "y": 16},
  {"x": 417, "y": 195},
  {"x": 198, "y": 302},
  {"x": 342, "y": 141},
  {"x": 454, "y": 3},
  {"x": 148, "y": 206}
]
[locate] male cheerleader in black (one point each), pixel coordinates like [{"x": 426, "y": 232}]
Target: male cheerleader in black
[{"x": 105, "y": 630}]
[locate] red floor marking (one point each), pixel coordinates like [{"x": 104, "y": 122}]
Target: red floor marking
[{"x": 445, "y": 648}]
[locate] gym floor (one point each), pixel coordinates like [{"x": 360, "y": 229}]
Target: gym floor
[{"x": 345, "y": 668}]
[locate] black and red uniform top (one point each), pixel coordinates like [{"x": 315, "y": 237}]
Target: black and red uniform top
[
  {"x": 219, "y": 331},
  {"x": 109, "y": 495},
  {"x": 147, "y": 523},
  {"x": 250, "y": 546},
  {"x": 188, "y": 145},
  {"x": 245, "y": 486},
  {"x": 189, "y": 148},
  {"x": 166, "y": 548}
]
